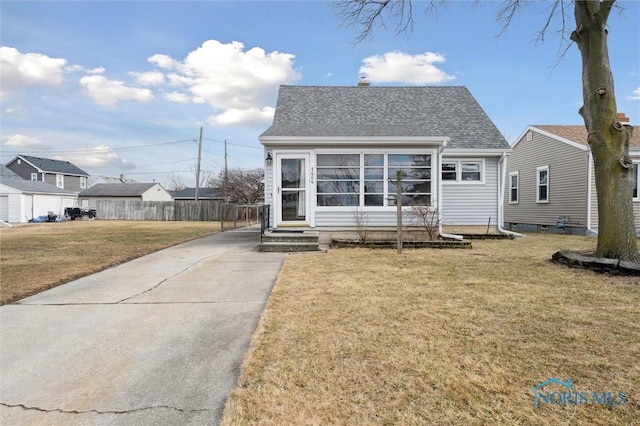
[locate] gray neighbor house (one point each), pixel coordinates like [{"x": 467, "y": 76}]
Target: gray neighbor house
[
  {"x": 332, "y": 152},
  {"x": 59, "y": 173},
  {"x": 550, "y": 181}
]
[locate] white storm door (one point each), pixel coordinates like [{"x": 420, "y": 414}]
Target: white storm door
[{"x": 292, "y": 191}]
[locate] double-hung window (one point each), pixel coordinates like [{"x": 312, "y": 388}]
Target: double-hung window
[
  {"x": 542, "y": 184},
  {"x": 462, "y": 171},
  {"x": 513, "y": 187},
  {"x": 83, "y": 182},
  {"x": 369, "y": 179},
  {"x": 34, "y": 176},
  {"x": 60, "y": 181}
]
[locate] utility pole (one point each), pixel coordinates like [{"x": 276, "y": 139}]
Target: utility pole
[
  {"x": 226, "y": 172},
  {"x": 198, "y": 165}
]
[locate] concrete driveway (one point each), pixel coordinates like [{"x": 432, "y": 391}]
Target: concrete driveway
[{"x": 156, "y": 341}]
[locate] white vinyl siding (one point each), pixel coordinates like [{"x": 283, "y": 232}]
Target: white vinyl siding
[{"x": 472, "y": 203}]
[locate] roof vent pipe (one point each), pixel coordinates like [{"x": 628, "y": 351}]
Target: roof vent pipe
[{"x": 363, "y": 81}]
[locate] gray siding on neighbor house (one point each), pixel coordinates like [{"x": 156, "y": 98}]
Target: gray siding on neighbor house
[
  {"x": 567, "y": 182},
  {"x": 23, "y": 169},
  {"x": 72, "y": 183},
  {"x": 471, "y": 203}
]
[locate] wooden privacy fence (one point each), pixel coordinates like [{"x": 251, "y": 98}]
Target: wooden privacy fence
[{"x": 203, "y": 210}]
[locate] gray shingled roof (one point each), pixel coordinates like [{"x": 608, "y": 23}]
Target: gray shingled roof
[
  {"x": 7, "y": 173},
  {"x": 190, "y": 193},
  {"x": 336, "y": 111},
  {"x": 117, "y": 190},
  {"x": 54, "y": 166}
]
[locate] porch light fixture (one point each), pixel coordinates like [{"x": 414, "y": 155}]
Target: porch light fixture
[{"x": 269, "y": 159}]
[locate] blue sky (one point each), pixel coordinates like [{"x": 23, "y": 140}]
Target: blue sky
[{"x": 124, "y": 87}]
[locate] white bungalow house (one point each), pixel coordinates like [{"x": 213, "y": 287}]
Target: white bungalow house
[
  {"x": 551, "y": 180},
  {"x": 332, "y": 154}
]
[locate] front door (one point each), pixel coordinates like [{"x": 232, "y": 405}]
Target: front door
[{"x": 293, "y": 190}]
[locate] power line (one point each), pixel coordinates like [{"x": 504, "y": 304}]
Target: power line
[
  {"x": 102, "y": 150},
  {"x": 234, "y": 144}
]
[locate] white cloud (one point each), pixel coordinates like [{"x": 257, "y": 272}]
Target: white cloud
[
  {"x": 19, "y": 70},
  {"x": 163, "y": 61},
  {"x": 177, "y": 97},
  {"x": 238, "y": 84},
  {"x": 151, "y": 78},
  {"x": 250, "y": 116},
  {"x": 98, "y": 157},
  {"x": 107, "y": 92},
  {"x": 635, "y": 95},
  {"x": 399, "y": 67},
  {"x": 80, "y": 68},
  {"x": 21, "y": 141}
]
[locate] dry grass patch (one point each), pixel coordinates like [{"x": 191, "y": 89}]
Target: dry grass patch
[
  {"x": 36, "y": 257},
  {"x": 359, "y": 336}
]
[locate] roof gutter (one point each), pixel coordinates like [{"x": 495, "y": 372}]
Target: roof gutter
[
  {"x": 440, "y": 231},
  {"x": 502, "y": 170}
]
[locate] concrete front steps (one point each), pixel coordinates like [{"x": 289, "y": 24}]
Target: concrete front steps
[{"x": 289, "y": 241}]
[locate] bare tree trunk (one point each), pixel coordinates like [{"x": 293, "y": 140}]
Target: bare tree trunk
[{"x": 608, "y": 138}]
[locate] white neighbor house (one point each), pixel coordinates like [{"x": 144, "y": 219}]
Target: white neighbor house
[
  {"x": 332, "y": 153},
  {"x": 22, "y": 200}
]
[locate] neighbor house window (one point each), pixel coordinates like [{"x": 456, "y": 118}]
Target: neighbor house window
[
  {"x": 34, "y": 176},
  {"x": 369, "y": 179},
  {"x": 60, "y": 181},
  {"x": 513, "y": 187},
  {"x": 542, "y": 184},
  {"x": 462, "y": 171},
  {"x": 636, "y": 181},
  {"x": 83, "y": 182}
]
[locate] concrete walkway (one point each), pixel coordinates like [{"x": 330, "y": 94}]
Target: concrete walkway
[{"x": 156, "y": 341}]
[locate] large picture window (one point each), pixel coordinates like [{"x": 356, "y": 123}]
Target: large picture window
[{"x": 369, "y": 179}]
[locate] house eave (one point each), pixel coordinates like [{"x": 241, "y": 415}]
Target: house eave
[
  {"x": 480, "y": 152},
  {"x": 353, "y": 140}
]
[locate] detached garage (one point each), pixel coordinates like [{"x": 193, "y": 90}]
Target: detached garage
[{"x": 22, "y": 200}]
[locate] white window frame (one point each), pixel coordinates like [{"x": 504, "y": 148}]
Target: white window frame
[
  {"x": 83, "y": 182},
  {"x": 517, "y": 188},
  {"x": 459, "y": 162},
  {"x": 636, "y": 169},
  {"x": 60, "y": 181},
  {"x": 34, "y": 177},
  {"x": 386, "y": 152},
  {"x": 538, "y": 185}
]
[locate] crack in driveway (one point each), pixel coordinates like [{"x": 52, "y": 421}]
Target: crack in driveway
[{"x": 133, "y": 410}]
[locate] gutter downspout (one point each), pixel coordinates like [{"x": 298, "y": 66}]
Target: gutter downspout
[
  {"x": 440, "y": 232},
  {"x": 502, "y": 170},
  {"x": 590, "y": 230}
]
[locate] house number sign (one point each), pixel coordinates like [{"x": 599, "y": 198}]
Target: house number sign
[{"x": 311, "y": 176}]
